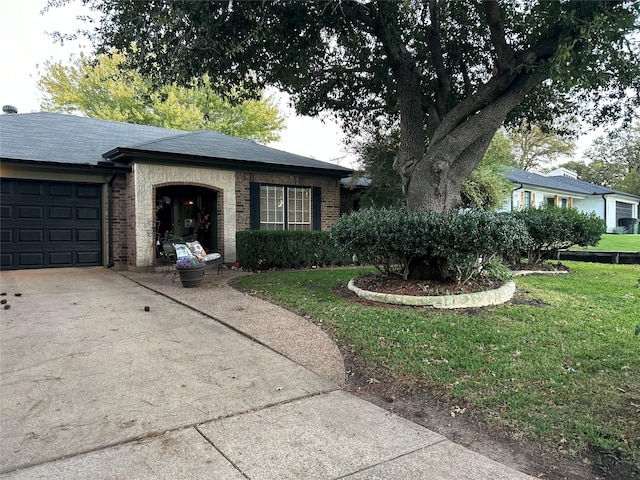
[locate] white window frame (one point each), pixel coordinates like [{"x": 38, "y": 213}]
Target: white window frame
[{"x": 285, "y": 208}]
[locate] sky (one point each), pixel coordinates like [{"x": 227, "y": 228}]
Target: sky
[{"x": 25, "y": 45}]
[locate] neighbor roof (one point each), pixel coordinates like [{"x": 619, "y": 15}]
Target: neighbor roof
[
  {"x": 565, "y": 184},
  {"x": 68, "y": 139}
]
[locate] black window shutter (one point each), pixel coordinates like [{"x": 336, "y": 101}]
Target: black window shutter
[
  {"x": 254, "y": 206},
  {"x": 316, "y": 208}
]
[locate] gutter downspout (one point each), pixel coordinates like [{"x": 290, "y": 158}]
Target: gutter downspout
[
  {"x": 111, "y": 262},
  {"x": 604, "y": 197}
]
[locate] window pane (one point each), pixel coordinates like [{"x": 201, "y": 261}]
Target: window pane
[
  {"x": 299, "y": 204},
  {"x": 271, "y": 207}
]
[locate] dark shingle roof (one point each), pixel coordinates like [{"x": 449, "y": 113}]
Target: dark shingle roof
[
  {"x": 68, "y": 139},
  {"x": 565, "y": 184}
]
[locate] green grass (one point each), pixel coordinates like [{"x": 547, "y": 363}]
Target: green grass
[
  {"x": 616, "y": 243},
  {"x": 566, "y": 374}
]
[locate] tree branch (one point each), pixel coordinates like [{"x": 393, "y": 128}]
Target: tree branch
[
  {"x": 504, "y": 52},
  {"x": 358, "y": 13},
  {"x": 444, "y": 80},
  {"x": 525, "y": 63}
]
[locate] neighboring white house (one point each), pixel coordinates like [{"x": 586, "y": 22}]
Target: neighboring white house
[{"x": 561, "y": 187}]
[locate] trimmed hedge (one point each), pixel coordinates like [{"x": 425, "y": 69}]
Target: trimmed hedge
[
  {"x": 267, "y": 249},
  {"x": 427, "y": 245},
  {"x": 552, "y": 228}
]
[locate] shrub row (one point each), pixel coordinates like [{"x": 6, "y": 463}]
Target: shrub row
[
  {"x": 451, "y": 246},
  {"x": 455, "y": 245},
  {"x": 263, "y": 250}
]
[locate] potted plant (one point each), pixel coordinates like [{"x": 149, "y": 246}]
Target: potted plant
[{"x": 191, "y": 271}]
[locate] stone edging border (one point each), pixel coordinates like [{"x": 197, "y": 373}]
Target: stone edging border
[
  {"x": 522, "y": 273},
  {"x": 464, "y": 300}
]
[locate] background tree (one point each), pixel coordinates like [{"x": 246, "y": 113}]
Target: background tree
[
  {"x": 597, "y": 172},
  {"x": 612, "y": 161},
  {"x": 376, "y": 156},
  {"x": 103, "y": 87},
  {"x": 449, "y": 72},
  {"x": 535, "y": 148}
]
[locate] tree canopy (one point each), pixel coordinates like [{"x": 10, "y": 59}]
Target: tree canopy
[
  {"x": 449, "y": 73},
  {"x": 535, "y": 148},
  {"x": 613, "y": 161},
  {"x": 103, "y": 87}
]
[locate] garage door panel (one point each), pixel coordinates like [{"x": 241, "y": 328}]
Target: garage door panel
[
  {"x": 31, "y": 236},
  {"x": 89, "y": 191},
  {"x": 60, "y": 213},
  {"x": 6, "y": 260},
  {"x": 30, "y": 213},
  {"x": 50, "y": 224},
  {"x": 61, "y": 190},
  {"x": 61, "y": 259},
  {"x": 87, "y": 235},
  {"x": 6, "y": 236},
  {"x": 88, "y": 213},
  {"x": 30, "y": 259},
  {"x": 29, "y": 188},
  {"x": 61, "y": 235},
  {"x": 88, "y": 258}
]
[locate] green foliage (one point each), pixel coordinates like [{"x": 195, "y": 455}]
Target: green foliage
[
  {"x": 304, "y": 47},
  {"x": 552, "y": 228},
  {"x": 104, "y": 87},
  {"x": 447, "y": 72},
  {"x": 264, "y": 250},
  {"x": 535, "y": 148},
  {"x": 614, "y": 160},
  {"x": 376, "y": 155},
  {"x": 615, "y": 243},
  {"x": 429, "y": 245},
  {"x": 500, "y": 151},
  {"x": 487, "y": 188}
]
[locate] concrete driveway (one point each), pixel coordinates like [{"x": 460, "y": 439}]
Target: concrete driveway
[{"x": 94, "y": 386}]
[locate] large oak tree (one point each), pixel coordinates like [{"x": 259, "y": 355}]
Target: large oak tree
[{"x": 449, "y": 72}]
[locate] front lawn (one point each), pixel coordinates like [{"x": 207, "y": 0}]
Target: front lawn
[
  {"x": 560, "y": 364},
  {"x": 615, "y": 243}
]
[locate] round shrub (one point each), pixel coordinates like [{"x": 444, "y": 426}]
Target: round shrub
[{"x": 552, "y": 228}]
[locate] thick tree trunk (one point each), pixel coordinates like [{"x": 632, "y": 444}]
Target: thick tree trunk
[{"x": 454, "y": 152}]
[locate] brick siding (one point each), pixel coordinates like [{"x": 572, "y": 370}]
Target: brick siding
[{"x": 330, "y": 195}]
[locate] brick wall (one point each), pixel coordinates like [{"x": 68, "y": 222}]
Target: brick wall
[
  {"x": 130, "y": 200},
  {"x": 330, "y": 191},
  {"x": 119, "y": 224}
]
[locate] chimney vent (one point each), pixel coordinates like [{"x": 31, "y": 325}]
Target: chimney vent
[{"x": 9, "y": 109}]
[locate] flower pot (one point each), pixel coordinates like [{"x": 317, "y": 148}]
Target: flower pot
[{"x": 191, "y": 277}]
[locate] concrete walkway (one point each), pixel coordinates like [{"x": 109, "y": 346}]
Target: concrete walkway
[{"x": 208, "y": 383}]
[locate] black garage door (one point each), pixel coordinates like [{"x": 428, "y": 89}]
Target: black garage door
[{"x": 50, "y": 224}]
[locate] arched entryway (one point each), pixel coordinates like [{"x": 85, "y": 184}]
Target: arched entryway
[{"x": 189, "y": 211}]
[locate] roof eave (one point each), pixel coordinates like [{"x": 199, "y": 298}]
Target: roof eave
[
  {"x": 100, "y": 166},
  {"x": 128, "y": 156}
]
